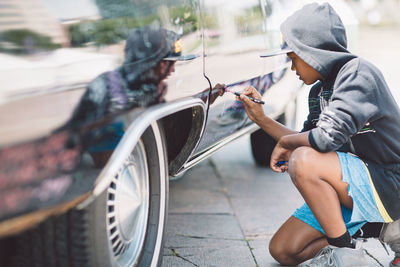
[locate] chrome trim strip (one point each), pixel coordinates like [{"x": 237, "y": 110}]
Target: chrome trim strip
[
  {"x": 209, "y": 152},
  {"x": 132, "y": 136},
  {"x": 213, "y": 149},
  {"x": 163, "y": 184}
]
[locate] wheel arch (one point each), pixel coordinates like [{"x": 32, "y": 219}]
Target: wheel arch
[
  {"x": 167, "y": 114},
  {"x": 182, "y": 131}
]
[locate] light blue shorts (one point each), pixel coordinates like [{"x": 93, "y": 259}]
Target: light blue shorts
[{"x": 355, "y": 173}]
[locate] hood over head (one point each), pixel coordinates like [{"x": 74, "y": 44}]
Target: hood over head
[
  {"x": 145, "y": 48},
  {"x": 317, "y": 35}
]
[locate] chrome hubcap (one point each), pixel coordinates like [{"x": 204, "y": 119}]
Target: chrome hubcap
[{"x": 128, "y": 208}]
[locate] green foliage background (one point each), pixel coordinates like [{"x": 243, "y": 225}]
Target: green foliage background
[{"x": 24, "y": 41}]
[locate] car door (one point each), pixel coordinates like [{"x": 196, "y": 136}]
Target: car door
[{"x": 235, "y": 34}]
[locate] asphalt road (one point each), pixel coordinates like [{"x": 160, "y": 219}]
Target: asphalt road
[{"x": 224, "y": 211}]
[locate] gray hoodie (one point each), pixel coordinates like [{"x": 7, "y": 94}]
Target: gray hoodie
[{"x": 360, "y": 113}]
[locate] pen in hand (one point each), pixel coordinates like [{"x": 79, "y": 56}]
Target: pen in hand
[
  {"x": 280, "y": 163},
  {"x": 252, "y": 99}
]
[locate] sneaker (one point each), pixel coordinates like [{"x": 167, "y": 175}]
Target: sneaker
[
  {"x": 339, "y": 257},
  {"x": 395, "y": 262},
  {"x": 390, "y": 234}
]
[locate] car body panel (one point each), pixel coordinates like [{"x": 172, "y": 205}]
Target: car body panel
[{"x": 48, "y": 158}]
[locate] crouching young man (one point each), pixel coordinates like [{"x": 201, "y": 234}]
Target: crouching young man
[{"x": 346, "y": 160}]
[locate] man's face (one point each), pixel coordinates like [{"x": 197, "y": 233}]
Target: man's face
[
  {"x": 165, "y": 68},
  {"x": 305, "y": 72}
]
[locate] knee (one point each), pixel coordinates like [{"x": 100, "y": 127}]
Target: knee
[
  {"x": 280, "y": 252},
  {"x": 301, "y": 165}
]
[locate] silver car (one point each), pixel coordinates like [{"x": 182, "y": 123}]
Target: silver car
[{"x": 102, "y": 102}]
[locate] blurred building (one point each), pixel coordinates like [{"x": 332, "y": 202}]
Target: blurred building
[
  {"x": 31, "y": 15},
  {"x": 377, "y": 12}
]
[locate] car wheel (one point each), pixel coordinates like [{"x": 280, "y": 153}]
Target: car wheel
[
  {"x": 124, "y": 226},
  {"x": 262, "y": 145}
]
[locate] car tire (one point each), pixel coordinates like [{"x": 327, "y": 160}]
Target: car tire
[
  {"x": 123, "y": 226},
  {"x": 262, "y": 145}
]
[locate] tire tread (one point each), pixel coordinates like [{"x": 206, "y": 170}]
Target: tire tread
[{"x": 59, "y": 241}]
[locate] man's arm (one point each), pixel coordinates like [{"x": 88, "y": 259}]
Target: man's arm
[
  {"x": 256, "y": 114},
  {"x": 287, "y": 139},
  {"x": 275, "y": 129},
  {"x": 293, "y": 141}
]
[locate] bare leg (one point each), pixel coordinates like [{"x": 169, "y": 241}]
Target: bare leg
[
  {"x": 296, "y": 242},
  {"x": 318, "y": 178}
]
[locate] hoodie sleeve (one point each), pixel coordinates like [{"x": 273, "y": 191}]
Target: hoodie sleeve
[
  {"x": 352, "y": 105},
  {"x": 93, "y": 102}
]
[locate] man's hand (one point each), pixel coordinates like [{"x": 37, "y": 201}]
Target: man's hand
[
  {"x": 253, "y": 110},
  {"x": 280, "y": 154},
  {"x": 284, "y": 148},
  {"x": 218, "y": 90}
]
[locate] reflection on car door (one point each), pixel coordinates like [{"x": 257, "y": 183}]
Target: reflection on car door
[{"x": 234, "y": 36}]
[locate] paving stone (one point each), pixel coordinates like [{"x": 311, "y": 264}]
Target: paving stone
[
  {"x": 261, "y": 199},
  {"x": 202, "y": 174},
  {"x": 200, "y": 229},
  {"x": 206, "y": 240},
  {"x": 259, "y": 248},
  {"x": 198, "y": 191},
  {"x": 173, "y": 261},
  {"x": 218, "y": 256},
  {"x": 264, "y": 206}
]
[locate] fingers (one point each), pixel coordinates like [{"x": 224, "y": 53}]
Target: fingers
[
  {"x": 249, "y": 90},
  {"x": 221, "y": 88},
  {"x": 280, "y": 158},
  {"x": 254, "y": 111},
  {"x": 252, "y": 92},
  {"x": 245, "y": 99},
  {"x": 280, "y": 168},
  {"x": 276, "y": 167}
]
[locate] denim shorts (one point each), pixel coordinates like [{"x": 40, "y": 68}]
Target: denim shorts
[{"x": 356, "y": 174}]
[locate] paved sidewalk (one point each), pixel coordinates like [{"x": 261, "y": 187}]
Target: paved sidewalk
[{"x": 224, "y": 212}]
